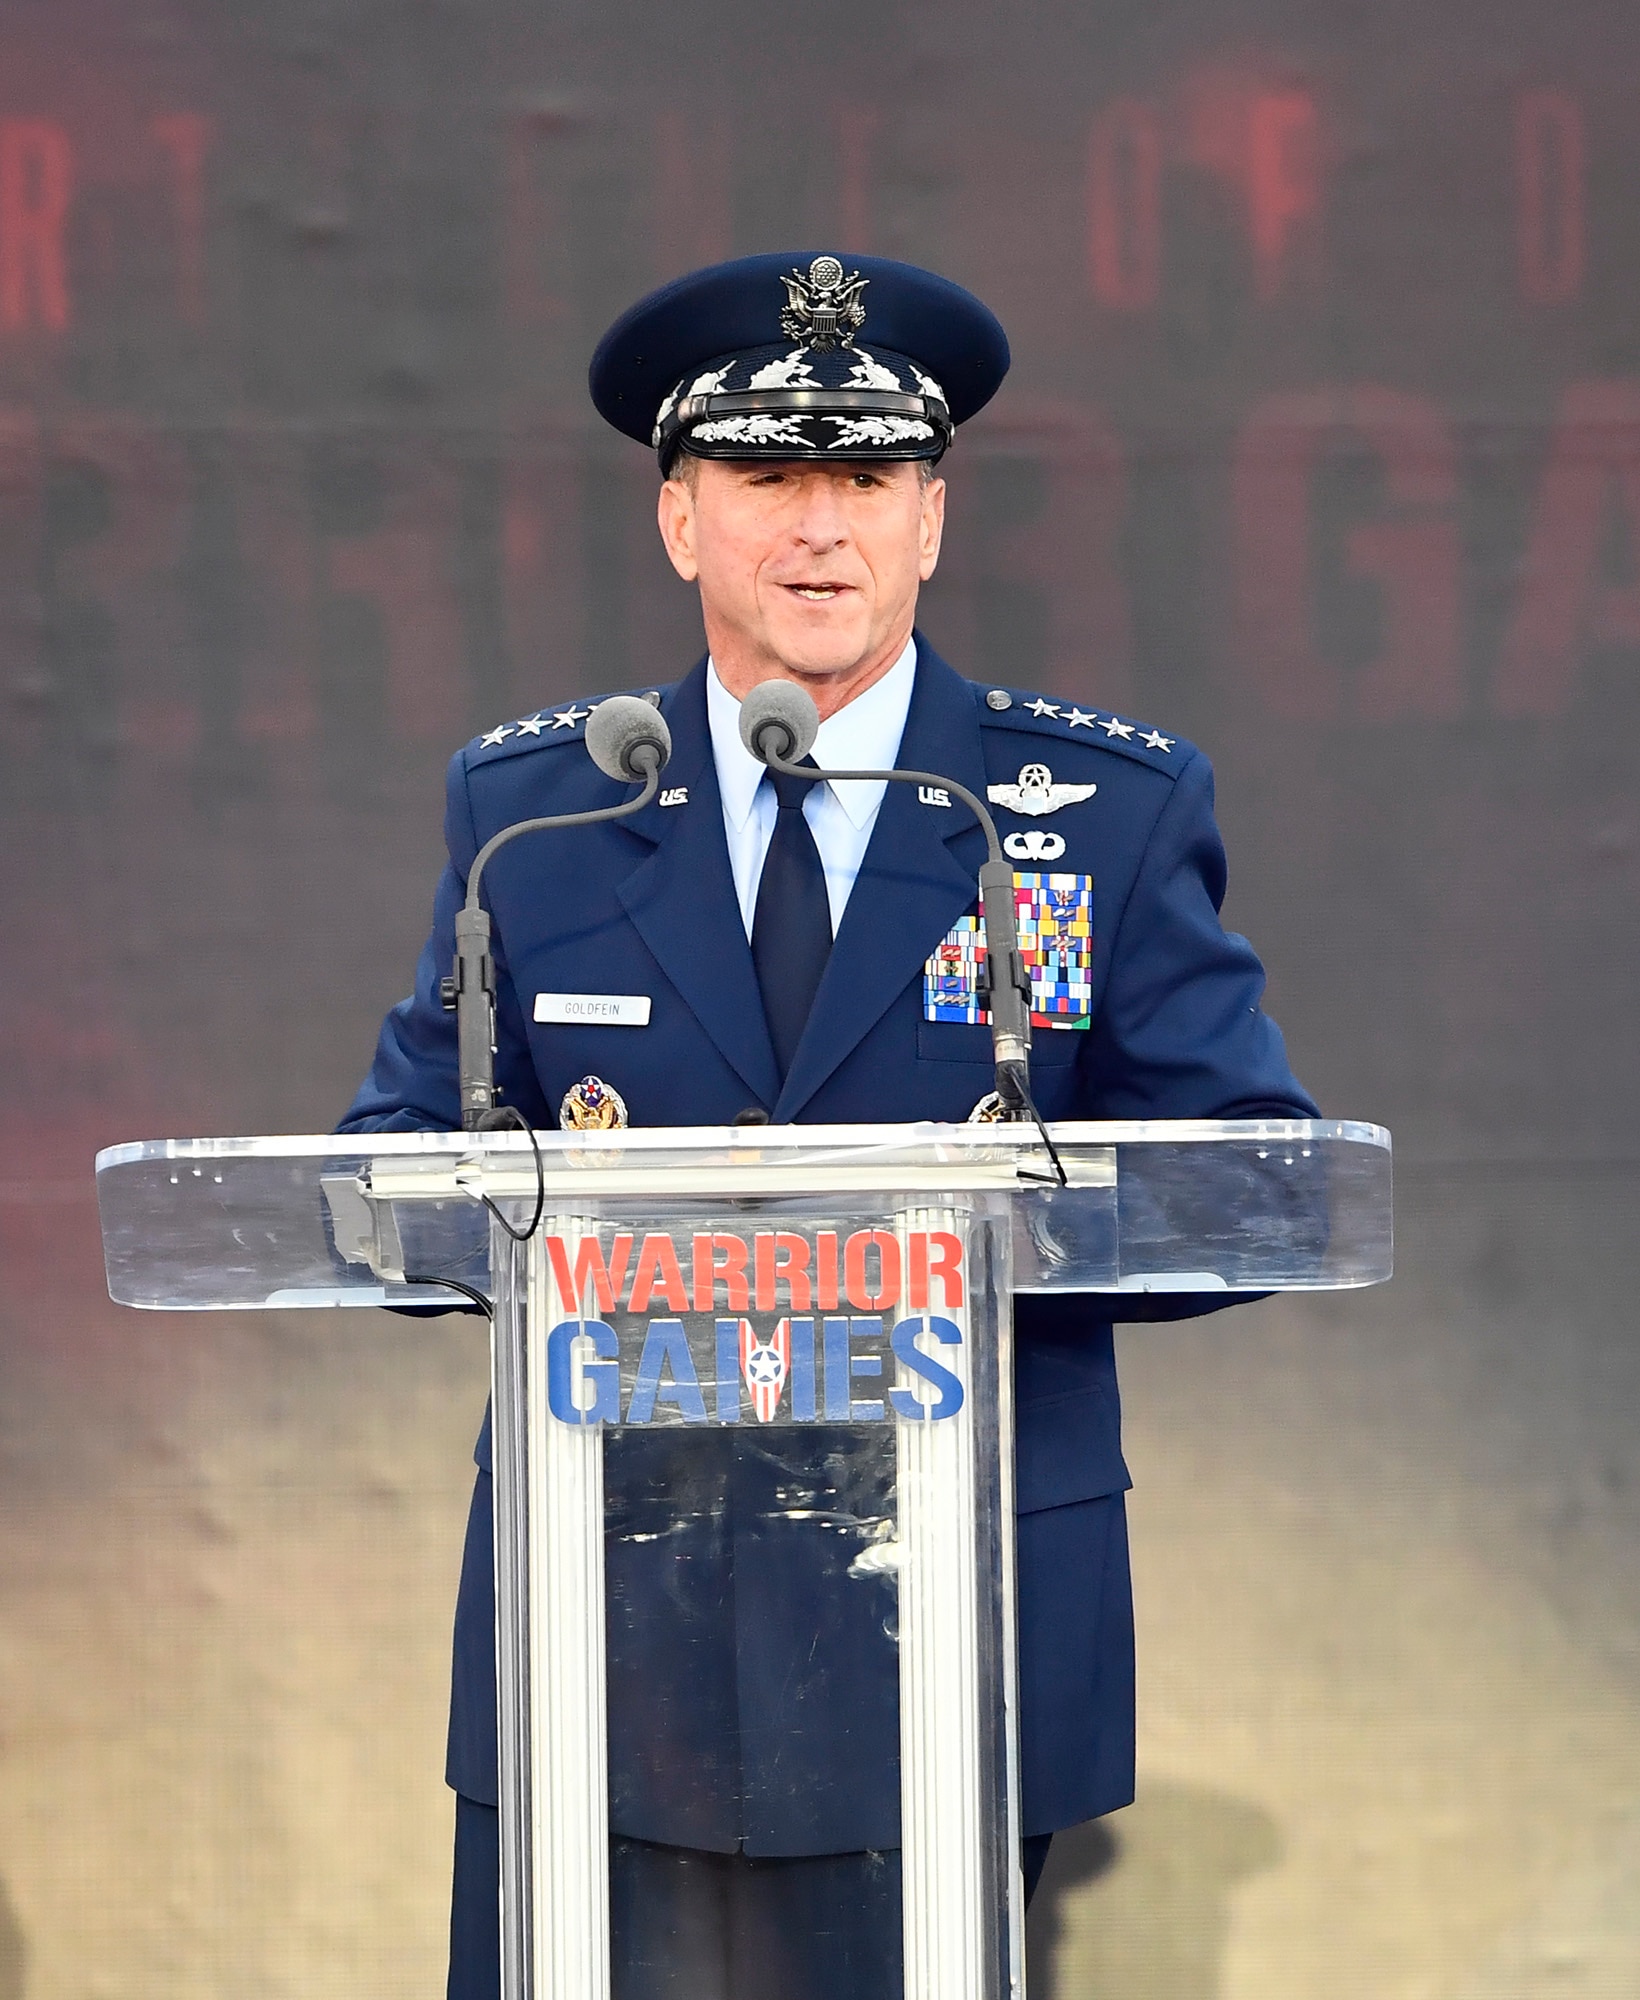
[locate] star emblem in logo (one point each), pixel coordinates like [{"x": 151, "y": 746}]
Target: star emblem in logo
[
  {"x": 1115, "y": 728},
  {"x": 495, "y": 738},
  {"x": 1039, "y": 707},
  {"x": 1154, "y": 739},
  {"x": 532, "y": 725},
  {"x": 1078, "y": 720},
  {"x": 763, "y": 1365},
  {"x": 566, "y": 718}
]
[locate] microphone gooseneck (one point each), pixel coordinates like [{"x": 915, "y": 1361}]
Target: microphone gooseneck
[
  {"x": 627, "y": 738},
  {"x": 778, "y": 725}
]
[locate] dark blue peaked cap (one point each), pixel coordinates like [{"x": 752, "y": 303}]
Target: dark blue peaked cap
[{"x": 861, "y": 357}]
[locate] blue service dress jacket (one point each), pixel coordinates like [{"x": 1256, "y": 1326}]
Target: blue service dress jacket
[{"x": 723, "y": 1737}]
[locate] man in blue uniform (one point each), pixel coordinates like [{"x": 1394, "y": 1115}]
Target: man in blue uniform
[{"x": 807, "y": 953}]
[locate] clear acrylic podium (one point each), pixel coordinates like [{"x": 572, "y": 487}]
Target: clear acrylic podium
[{"x": 726, "y": 1296}]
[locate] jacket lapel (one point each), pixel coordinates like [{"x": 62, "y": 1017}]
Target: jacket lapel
[
  {"x": 918, "y": 877},
  {"x": 681, "y": 899}
]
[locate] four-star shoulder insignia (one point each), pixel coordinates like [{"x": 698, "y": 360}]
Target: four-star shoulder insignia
[
  {"x": 535, "y": 731},
  {"x": 1036, "y": 715},
  {"x": 547, "y": 726}
]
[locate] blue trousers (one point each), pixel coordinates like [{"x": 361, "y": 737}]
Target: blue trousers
[{"x": 694, "y": 1926}]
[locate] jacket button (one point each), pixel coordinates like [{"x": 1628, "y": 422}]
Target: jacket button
[{"x": 999, "y": 699}]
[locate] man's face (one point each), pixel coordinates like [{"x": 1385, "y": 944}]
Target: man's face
[{"x": 809, "y": 572}]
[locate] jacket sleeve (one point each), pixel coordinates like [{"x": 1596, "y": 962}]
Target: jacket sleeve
[
  {"x": 1181, "y": 1031},
  {"x": 413, "y": 1085}
]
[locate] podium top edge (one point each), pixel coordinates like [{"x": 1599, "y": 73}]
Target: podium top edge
[{"x": 761, "y": 1138}]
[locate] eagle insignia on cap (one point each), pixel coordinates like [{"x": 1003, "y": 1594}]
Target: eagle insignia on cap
[{"x": 823, "y": 310}]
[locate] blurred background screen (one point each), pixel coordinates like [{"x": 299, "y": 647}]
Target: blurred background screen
[{"x": 1321, "y": 447}]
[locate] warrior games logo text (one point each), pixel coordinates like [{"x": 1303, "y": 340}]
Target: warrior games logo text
[{"x": 775, "y": 1327}]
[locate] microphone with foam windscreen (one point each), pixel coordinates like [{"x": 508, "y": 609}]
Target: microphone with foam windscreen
[
  {"x": 779, "y": 722},
  {"x": 627, "y": 738},
  {"x": 778, "y": 725}
]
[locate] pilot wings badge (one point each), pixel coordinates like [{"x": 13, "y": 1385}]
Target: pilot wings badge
[
  {"x": 1036, "y": 793},
  {"x": 823, "y": 310}
]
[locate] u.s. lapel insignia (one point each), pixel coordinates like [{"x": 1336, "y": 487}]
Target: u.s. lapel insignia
[
  {"x": 1036, "y": 794},
  {"x": 1055, "y": 916},
  {"x": 592, "y": 1106}
]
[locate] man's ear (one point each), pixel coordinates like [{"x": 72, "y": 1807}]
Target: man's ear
[
  {"x": 931, "y": 528},
  {"x": 676, "y": 515}
]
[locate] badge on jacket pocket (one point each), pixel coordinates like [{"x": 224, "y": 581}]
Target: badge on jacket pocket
[{"x": 1055, "y": 940}]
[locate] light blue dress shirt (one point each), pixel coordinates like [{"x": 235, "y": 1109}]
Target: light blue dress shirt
[{"x": 863, "y": 736}]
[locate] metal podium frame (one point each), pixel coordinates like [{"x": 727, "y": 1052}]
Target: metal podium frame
[{"x": 1174, "y": 1207}]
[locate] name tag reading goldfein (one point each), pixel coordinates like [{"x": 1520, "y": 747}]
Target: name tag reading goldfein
[{"x": 594, "y": 1010}]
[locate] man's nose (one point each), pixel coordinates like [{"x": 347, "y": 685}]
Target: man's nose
[{"x": 822, "y": 520}]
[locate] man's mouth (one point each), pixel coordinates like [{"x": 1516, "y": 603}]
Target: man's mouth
[{"x": 817, "y": 593}]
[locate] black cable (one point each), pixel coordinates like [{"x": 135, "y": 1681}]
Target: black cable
[
  {"x": 1047, "y": 1140},
  {"x": 455, "y": 1285},
  {"x": 502, "y": 1114},
  {"x": 493, "y": 1119}
]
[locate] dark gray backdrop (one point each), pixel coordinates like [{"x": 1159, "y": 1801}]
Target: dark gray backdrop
[{"x": 1322, "y": 447}]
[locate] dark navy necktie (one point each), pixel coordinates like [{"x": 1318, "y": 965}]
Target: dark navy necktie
[{"x": 791, "y": 925}]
